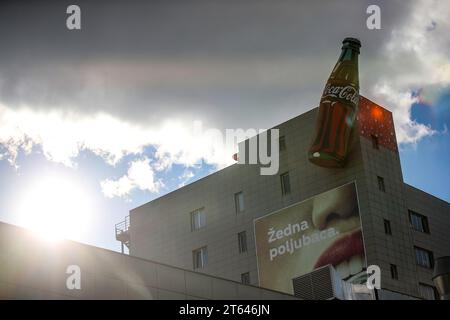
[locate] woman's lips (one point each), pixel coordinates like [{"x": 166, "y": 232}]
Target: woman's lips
[{"x": 342, "y": 249}]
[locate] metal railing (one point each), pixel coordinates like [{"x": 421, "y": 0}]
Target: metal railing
[
  {"x": 123, "y": 226},
  {"x": 122, "y": 233}
]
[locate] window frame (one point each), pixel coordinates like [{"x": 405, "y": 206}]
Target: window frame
[
  {"x": 203, "y": 251},
  {"x": 381, "y": 184},
  {"x": 242, "y": 242},
  {"x": 200, "y": 212},
  {"x": 425, "y": 226},
  {"x": 285, "y": 192},
  {"x": 394, "y": 271},
  {"x": 419, "y": 258},
  {"x": 433, "y": 288},
  {"x": 282, "y": 143},
  {"x": 387, "y": 227},
  {"x": 245, "y": 276},
  {"x": 238, "y": 202}
]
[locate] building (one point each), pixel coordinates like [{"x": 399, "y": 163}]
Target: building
[
  {"x": 209, "y": 225},
  {"x": 32, "y": 268}
]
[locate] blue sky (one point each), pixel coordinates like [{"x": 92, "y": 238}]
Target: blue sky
[
  {"x": 426, "y": 165},
  {"x": 110, "y": 113}
]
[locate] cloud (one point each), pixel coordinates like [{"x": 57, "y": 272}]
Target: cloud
[
  {"x": 416, "y": 59},
  {"x": 408, "y": 130},
  {"x": 185, "y": 177},
  {"x": 63, "y": 135},
  {"x": 250, "y": 64},
  {"x": 140, "y": 176}
]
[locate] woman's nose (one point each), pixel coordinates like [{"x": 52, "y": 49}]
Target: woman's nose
[{"x": 335, "y": 204}]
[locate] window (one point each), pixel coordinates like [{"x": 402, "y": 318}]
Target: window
[
  {"x": 394, "y": 272},
  {"x": 200, "y": 257},
  {"x": 418, "y": 222},
  {"x": 381, "y": 184},
  {"x": 427, "y": 292},
  {"x": 375, "y": 144},
  {"x": 285, "y": 184},
  {"x": 387, "y": 227},
  {"x": 198, "y": 219},
  {"x": 424, "y": 258},
  {"x": 282, "y": 143},
  {"x": 239, "y": 202},
  {"x": 245, "y": 278},
  {"x": 242, "y": 241}
]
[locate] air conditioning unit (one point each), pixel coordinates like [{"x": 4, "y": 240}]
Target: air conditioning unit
[{"x": 325, "y": 284}]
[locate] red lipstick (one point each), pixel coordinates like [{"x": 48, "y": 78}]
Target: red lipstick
[{"x": 342, "y": 249}]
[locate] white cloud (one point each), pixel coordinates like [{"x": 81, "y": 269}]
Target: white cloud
[
  {"x": 140, "y": 176},
  {"x": 408, "y": 130},
  {"x": 63, "y": 135},
  {"x": 185, "y": 177},
  {"x": 416, "y": 58}
]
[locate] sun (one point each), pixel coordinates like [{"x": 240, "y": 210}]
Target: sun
[{"x": 55, "y": 207}]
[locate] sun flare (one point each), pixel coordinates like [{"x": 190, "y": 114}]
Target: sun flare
[{"x": 55, "y": 208}]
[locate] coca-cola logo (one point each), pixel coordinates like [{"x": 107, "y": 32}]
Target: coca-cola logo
[{"x": 348, "y": 93}]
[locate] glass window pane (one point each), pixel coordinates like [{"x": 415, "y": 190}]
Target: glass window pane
[
  {"x": 423, "y": 257},
  {"x": 245, "y": 278},
  {"x": 242, "y": 241},
  {"x": 200, "y": 258},
  {"x": 285, "y": 184},
  {"x": 419, "y": 222},
  {"x": 204, "y": 257},
  {"x": 381, "y": 184},
  {"x": 239, "y": 202},
  {"x": 202, "y": 219},
  {"x": 198, "y": 219},
  {"x": 196, "y": 259}
]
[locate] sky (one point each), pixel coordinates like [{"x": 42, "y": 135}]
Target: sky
[{"x": 111, "y": 110}]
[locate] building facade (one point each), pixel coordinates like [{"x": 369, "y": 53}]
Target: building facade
[{"x": 208, "y": 225}]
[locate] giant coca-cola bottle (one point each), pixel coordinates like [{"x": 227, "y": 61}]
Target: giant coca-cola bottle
[{"x": 337, "y": 110}]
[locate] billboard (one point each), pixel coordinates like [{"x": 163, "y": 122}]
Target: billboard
[{"x": 325, "y": 229}]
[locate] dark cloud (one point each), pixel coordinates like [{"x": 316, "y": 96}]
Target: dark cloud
[{"x": 235, "y": 63}]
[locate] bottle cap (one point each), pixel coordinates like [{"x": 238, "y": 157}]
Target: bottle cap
[{"x": 352, "y": 43}]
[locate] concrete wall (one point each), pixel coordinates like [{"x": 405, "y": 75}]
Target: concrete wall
[
  {"x": 437, "y": 212},
  {"x": 31, "y": 268}
]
